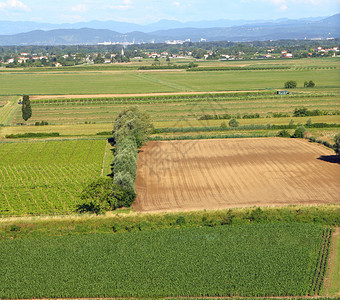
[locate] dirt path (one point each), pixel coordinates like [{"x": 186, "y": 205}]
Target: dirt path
[
  {"x": 234, "y": 173},
  {"x": 132, "y": 95},
  {"x": 333, "y": 266}
]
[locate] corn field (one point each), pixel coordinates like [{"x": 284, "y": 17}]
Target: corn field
[{"x": 238, "y": 260}]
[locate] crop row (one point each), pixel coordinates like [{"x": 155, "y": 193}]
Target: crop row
[
  {"x": 244, "y": 260},
  {"x": 248, "y": 68},
  {"x": 46, "y": 177},
  {"x": 184, "y": 98}
]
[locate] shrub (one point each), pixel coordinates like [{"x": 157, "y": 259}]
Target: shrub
[
  {"x": 336, "y": 145},
  {"x": 181, "y": 221},
  {"x": 309, "y": 84},
  {"x": 283, "y": 133},
  {"x": 299, "y": 132},
  {"x": 223, "y": 125},
  {"x": 290, "y": 84},
  {"x": 233, "y": 123},
  {"x": 97, "y": 197},
  {"x": 309, "y": 122}
]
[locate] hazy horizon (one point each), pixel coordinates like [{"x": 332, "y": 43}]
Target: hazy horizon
[{"x": 149, "y": 11}]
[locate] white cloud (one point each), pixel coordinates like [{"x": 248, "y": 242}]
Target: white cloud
[
  {"x": 79, "y": 8},
  {"x": 13, "y": 5},
  {"x": 177, "y": 4},
  {"x": 125, "y": 5}
]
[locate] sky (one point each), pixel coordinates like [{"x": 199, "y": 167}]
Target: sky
[{"x": 149, "y": 11}]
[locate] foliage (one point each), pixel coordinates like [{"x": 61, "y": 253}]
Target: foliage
[
  {"x": 124, "y": 179},
  {"x": 290, "y": 84},
  {"x": 97, "y": 197},
  {"x": 223, "y": 125},
  {"x": 132, "y": 122},
  {"x": 299, "y": 132},
  {"x": 42, "y": 123},
  {"x": 233, "y": 123},
  {"x": 283, "y": 133},
  {"x": 337, "y": 144},
  {"x": 166, "y": 263},
  {"x": 26, "y": 107},
  {"x": 32, "y": 135},
  {"x": 309, "y": 84},
  {"x": 304, "y": 112}
]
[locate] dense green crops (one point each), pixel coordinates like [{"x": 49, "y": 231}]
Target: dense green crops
[
  {"x": 245, "y": 260},
  {"x": 46, "y": 177}
]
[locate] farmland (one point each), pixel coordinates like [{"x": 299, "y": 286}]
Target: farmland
[
  {"x": 255, "y": 260},
  {"x": 213, "y": 217},
  {"x": 78, "y": 81},
  {"x": 205, "y": 174},
  {"x": 46, "y": 177}
]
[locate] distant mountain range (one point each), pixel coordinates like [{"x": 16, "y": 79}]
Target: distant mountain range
[{"x": 95, "y": 32}]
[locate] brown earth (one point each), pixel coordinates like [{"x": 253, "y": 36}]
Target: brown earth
[{"x": 226, "y": 173}]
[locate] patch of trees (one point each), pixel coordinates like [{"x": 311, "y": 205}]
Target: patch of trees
[
  {"x": 305, "y": 112},
  {"x": 26, "y": 108},
  {"x": 131, "y": 130},
  {"x": 290, "y": 84}
]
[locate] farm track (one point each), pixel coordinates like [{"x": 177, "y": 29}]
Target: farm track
[
  {"x": 221, "y": 174},
  {"x": 71, "y": 96}
]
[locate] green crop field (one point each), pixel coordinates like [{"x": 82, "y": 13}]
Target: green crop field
[
  {"x": 164, "y": 110},
  {"x": 47, "y": 177},
  {"x": 243, "y": 260},
  {"x": 78, "y": 81}
]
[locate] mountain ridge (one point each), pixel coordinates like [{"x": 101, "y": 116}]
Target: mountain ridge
[{"x": 269, "y": 30}]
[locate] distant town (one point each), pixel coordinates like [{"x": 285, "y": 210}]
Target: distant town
[{"x": 109, "y": 53}]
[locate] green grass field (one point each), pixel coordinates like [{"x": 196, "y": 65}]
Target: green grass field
[
  {"x": 83, "y": 81},
  {"x": 39, "y": 178},
  {"x": 246, "y": 260}
]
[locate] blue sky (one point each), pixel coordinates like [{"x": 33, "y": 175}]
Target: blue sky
[{"x": 149, "y": 11}]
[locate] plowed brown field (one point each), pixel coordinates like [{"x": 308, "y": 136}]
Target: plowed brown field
[{"x": 215, "y": 174}]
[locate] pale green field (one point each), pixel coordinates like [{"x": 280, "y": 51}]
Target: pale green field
[{"x": 117, "y": 82}]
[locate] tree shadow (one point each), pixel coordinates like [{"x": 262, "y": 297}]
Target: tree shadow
[{"x": 334, "y": 159}]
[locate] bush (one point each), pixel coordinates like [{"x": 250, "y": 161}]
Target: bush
[
  {"x": 336, "y": 145},
  {"x": 309, "y": 84},
  {"x": 233, "y": 123},
  {"x": 223, "y": 125},
  {"x": 283, "y": 133},
  {"x": 42, "y": 123},
  {"x": 181, "y": 221},
  {"x": 299, "y": 132},
  {"x": 290, "y": 84},
  {"x": 97, "y": 197},
  {"x": 100, "y": 196},
  {"x": 304, "y": 112}
]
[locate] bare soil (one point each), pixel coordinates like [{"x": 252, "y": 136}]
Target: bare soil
[{"x": 227, "y": 173}]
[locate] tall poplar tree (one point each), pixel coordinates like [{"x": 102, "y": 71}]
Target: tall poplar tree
[{"x": 26, "y": 107}]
